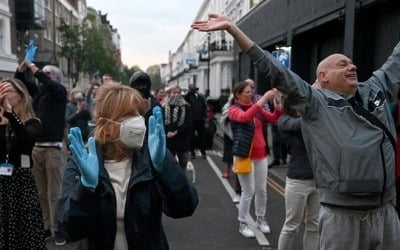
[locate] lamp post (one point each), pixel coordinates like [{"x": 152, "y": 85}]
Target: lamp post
[
  {"x": 208, "y": 63},
  {"x": 53, "y": 59}
]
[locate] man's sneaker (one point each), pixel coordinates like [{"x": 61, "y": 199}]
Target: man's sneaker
[
  {"x": 59, "y": 240},
  {"x": 193, "y": 155},
  {"x": 236, "y": 198},
  {"x": 245, "y": 230},
  {"x": 263, "y": 225},
  {"x": 47, "y": 235}
]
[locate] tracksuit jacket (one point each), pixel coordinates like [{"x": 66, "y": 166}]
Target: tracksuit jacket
[
  {"x": 92, "y": 215},
  {"x": 353, "y": 160}
]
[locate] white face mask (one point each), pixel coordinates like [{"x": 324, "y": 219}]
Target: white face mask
[{"x": 132, "y": 131}]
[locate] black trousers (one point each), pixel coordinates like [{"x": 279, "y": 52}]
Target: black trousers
[
  {"x": 198, "y": 136},
  {"x": 279, "y": 147}
]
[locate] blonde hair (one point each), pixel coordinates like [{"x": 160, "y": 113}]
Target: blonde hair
[
  {"x": 23, "y": 108},
  {"x": 114, "y": 102}
]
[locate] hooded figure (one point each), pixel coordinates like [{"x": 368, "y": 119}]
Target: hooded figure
[{"x": 141, "y": 82}]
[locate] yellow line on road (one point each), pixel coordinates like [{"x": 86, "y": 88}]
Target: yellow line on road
[{"x": 278, "y": 188}]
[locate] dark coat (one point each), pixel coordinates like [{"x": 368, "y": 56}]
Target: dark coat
[
  {"x": 80, "y": 119},
  {"x": 180, "y": 142},
  {"x": 49, "y": 103},
  {"x": 92, "y": 214},
  {"x": 23, "y": 140},
  {"x": 299, "y": 166},
  {"x": 198, "y": 106}
]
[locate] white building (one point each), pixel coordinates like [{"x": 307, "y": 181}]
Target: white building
[
  {"x": 8, "y": 61},
  {"x": 206, "y": 59}
]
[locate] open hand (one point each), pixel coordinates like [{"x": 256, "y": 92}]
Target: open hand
[
  {"x": 87, "y": 162},
  {"x": 214, "y": 22},
  {"x": 156, "y": 139}
]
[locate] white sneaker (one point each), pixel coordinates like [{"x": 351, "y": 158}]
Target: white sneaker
[
  {"x": 236, "y": 198},
  {"x": 245, "y": 230},
  {"x": 263, "y": 225}
]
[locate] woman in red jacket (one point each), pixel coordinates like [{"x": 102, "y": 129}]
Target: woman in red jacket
[{"x": 248, "y": 141}]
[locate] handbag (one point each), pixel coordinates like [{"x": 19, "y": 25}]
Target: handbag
[{"x": 243, "y": 165}]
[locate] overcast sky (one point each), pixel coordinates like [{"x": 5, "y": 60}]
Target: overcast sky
[{"x": 149, "y": 28}]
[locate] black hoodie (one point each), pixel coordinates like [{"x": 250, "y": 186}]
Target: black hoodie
[{"x": 141, "y": 81}]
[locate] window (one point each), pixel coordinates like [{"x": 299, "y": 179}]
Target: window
[
  {"x": 48, "y": 6},
  {"x": 39, "y": 12},
  {"x": 49, "y": 31},
  {"x": 59, "y": 39},
  {"x": 57, "y": 8}
]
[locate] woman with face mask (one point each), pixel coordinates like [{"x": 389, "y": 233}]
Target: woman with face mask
[
  {"x": 114, "y": 192},
  {"x": 177, "y": 124},
  {"x": 21, "y": 225}
]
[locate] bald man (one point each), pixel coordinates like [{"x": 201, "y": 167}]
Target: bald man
[{"x": 348, "y": 133}]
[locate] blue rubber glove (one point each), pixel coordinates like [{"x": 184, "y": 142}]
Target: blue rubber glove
[
  {"x": 30, "y": 51},
  {"x": 88, "y": 163},
  {"x": 156, "y": 139}
]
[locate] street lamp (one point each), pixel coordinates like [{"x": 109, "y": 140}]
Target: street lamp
[{"x": 208, "y": 63}]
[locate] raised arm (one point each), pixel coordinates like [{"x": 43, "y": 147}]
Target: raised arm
[
  {"x": 219, "y": 22},
  {"x": 388, "y": 76},
  {"x": 286, "y": 81}
]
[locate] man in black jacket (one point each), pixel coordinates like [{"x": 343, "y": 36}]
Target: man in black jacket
[
  {"x": 198, "y": 112},
  {"x": 49, "y": 103}
]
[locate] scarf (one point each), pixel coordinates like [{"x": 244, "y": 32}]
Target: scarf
[{"x": 175, "y": 111}]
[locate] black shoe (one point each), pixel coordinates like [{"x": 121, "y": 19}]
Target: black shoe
[
  {"x": 274, "y": 163},
  {"x": 204, "y": 156},
  {"x": 284, "y": 162},
  {"x": 59, "y": 239},
  {"x": 193, "y": 156},
  {"x": 47, "y": 235}
]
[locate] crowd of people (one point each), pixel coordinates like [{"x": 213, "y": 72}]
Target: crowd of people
[
  {"x": 348, "y": 135},
  {"x": 67, "y": 155}
]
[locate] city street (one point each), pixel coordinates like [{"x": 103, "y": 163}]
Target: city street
[{"x": 214, "y": 225}]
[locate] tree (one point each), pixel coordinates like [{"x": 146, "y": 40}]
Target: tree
[
  {"x": 85, "y": 48},
  {"x": 154, "y": 73},
  {"x": 95, "y": 56},
  {"x": 127, "y": 73},
  {"x": 72, "y": 49}
]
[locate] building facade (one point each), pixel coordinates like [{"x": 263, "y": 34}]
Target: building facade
[
  {"x": 8, "y": 60},
  {"x": 207, "y": 59},
  {"x": 39, "y": 20}
]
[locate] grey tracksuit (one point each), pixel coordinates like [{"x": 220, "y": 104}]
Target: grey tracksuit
[{"x": 353, "y": 160}]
